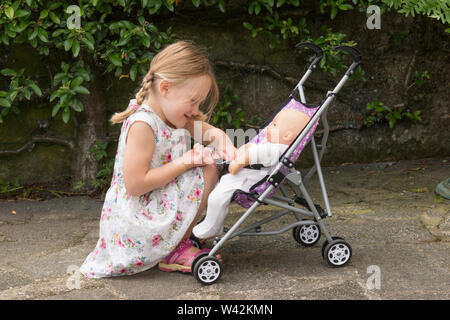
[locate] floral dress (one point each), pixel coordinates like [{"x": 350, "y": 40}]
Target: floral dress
[{"x": 138, "y": 232}]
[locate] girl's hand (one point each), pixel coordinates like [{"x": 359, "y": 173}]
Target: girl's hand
[
  {"x": 226, "y": 149},
  {"x": 199, "y": 155}
]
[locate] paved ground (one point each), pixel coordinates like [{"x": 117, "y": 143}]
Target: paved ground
[{"x": 388, "y": 212}]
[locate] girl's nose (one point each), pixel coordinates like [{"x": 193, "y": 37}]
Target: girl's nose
[{"x": 196, "y": 111}]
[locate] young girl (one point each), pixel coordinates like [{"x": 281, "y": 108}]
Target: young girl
[{"x": 157, "y": 192}]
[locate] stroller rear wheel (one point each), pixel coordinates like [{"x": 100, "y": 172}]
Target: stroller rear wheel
[{"x": 306, "y": 235}]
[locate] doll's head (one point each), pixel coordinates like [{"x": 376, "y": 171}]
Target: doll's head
[{"x": 286, "y": 126}]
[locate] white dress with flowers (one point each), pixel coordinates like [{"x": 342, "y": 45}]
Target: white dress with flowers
[{"x": 138, "y": 232}]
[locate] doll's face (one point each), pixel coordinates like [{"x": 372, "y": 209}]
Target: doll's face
[{"x": 285, "y": 126}]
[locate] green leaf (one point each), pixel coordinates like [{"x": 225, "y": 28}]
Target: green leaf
[
  {"x": 8, "y": 72},
  {"x": 257, "y": 8},
  {"x": 54, "y": 18},
  {"x": 88, "y": 43},
  {"x": 196, "y": 3},
  {"x": 68, "y": 44},
  {"x": 43, "y": 35},
  {"x": 66, "y": 114},
  {"x": 55, "y": 109},
  {"x": 248, "y": 25},
  {"x": 81, "y": 89},
  {"x": 55, "y": 5},
  {"x": 5, "y": 103},
  {"x": 77, "y": 105},
  {"x": 22, "y": 13},
  {"x": 75, "y": 47},
  {"x": 33, "y": 34},
  {"x": 222, "y": 6},
  {"x": 392, "y": 122},
  {"x": 345, "y": 7},
  {"x": 57, "y": 33},
  {"x": 115, "y": 59},
  {"x": 229, "y": 118},
  {"x": 36, "y": 89},
  {"x": 54, "y": 95},
  {"x": 169, "y": 5},
  {"x": 133, "y": 72},
  {"x": 146, "y": 41},
  {"x": 10, "y": 12},
  {"x": 334, "y": 12},
  {"x": 44, "y": 14},
  {"x": 76, "y": 82},
  {"x": 280, "y": 3},
  {"x": 27, "y": 93}
]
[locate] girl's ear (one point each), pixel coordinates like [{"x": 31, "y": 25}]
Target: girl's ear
[{"x": 164, "y": 87}]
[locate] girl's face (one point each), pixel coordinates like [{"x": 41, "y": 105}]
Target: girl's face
[{"x": 180, "y": 103}]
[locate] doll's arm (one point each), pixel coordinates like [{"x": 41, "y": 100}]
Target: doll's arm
[{"x": 242, "y": 159}]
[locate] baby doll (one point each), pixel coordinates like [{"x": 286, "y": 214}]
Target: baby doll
[{"x": 280, "y": 133}]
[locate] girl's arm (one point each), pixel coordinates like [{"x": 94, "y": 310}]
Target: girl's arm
[
  {"x": 137, "y": 175},
  {"x": 210, "y": 135},
  {"x": 140, "y": 145}
]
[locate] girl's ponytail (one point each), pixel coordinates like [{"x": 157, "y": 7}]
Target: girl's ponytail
[{"x": 119, "y": 117}]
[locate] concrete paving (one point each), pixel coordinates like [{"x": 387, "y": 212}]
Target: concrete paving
[{"x": 398, "y": 228}]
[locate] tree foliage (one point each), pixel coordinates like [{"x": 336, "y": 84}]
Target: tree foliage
[
  {"x": 117, "y": 36},
  {"x": 113, "y": 36}
]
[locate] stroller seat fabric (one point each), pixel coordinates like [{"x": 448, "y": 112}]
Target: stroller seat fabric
[{"x": 245, "y": 199}]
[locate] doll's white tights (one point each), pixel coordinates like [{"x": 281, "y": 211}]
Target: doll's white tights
[{"x": 217, "y": 209}]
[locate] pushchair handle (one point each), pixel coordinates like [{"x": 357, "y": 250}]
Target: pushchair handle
[
  {"x": 317, "y": 50},
  {"x": 356, "y": 55}
]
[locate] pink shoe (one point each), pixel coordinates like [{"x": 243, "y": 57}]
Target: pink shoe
[{"x": 171, "y": 262}]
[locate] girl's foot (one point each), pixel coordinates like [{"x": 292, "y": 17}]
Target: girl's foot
[{"x": 181, "y": 258}]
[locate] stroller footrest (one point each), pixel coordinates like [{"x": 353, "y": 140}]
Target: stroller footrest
[{"x": 320, "y": 210}]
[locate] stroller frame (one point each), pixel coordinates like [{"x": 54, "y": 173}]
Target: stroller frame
[{"x": 207, "y": 268}]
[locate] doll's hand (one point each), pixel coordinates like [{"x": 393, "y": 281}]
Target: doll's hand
[
  {"x": 238, "y": 163},
  {"x": 234, "y": 167}
]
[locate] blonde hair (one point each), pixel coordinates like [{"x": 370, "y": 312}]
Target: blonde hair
[{"x": 177, "y": 63}]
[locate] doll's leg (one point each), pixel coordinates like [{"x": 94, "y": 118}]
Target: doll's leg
[{"x": 217, "y": 209}]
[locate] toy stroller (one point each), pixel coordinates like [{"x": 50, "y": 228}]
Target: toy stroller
[{"x": 335, "y": 250}]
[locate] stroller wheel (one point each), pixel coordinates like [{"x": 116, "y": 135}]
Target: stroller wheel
[
  {"x": 207, "y": 270},
  {"x": 307, "y": 235},
  {"x": 338, "y": 253},
  {"x": 326, "y": 243}
]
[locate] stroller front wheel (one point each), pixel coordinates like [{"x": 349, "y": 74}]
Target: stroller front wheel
[
  {"x": 337, "y": 253},
  {"x": 207, "y": 270}
]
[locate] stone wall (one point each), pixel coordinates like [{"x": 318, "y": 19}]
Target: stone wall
[{"x": 389, "y": 60}]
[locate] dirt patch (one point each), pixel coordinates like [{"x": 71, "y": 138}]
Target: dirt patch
[{"x": 41, "y": 191}]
